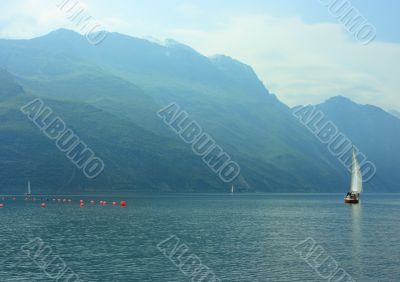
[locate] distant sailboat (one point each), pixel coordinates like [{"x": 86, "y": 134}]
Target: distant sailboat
[
  {"x": 28, "y": 194},
  {"x": 232, "y": 189},
  {"x": 353, "y": 196}
]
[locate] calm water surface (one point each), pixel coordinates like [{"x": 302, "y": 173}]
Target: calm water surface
[{"x": 239, "y": 237}]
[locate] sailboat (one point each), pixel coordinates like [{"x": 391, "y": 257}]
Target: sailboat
[
  {"x": 232, "y": 189},
  {"x": 28, "y": 194},
  {"x": 353, "y": 195}
]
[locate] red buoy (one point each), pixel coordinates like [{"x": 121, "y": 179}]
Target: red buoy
[
  {"x": 43, "y": 205},
  {"x": 81, "y": 205},
  {"x": 123, "y": 204},
  {"x": 81, "y": 201},
  {"x": 1, "y": 205}
]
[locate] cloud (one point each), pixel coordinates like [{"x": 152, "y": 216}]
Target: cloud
[
  {"x": 29, "y": 18},
  {"x": 300, "y": 62},
  {"x": 188, "y": 10},
  {"x": 32, "y": 18},
  {"x": 305, "y": 63}
]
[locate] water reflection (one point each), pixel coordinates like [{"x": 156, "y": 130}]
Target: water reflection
[{"x": 356, "y": 234}]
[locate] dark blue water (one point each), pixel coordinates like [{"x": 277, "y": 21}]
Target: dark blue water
[{"x": 238, "y": 237}]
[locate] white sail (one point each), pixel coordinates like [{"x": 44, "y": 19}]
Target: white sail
[
  {"x": 29, "y": 187},
  {"x": 356, "y": 176},
  {"x": 232, "y": 189}
]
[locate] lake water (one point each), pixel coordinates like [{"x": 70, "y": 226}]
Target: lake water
[{"x": 238, "y": 237}]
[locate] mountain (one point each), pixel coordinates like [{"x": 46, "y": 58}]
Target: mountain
[
  {"x": 135, "y": 159},
  {"x": 130, "y": 79},
  {"x": 375, "y": 133},
  {"x": 8, "y": 87},
  {"x": 395, "y": 113}
]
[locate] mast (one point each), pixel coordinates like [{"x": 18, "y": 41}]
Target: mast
[{"x": 356, "y": 176}]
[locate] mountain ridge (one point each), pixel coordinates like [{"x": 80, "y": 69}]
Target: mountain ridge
[{"x": 132, "y": 79}]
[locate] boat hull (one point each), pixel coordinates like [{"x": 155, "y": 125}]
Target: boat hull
[{"x": 351, "y": 201}]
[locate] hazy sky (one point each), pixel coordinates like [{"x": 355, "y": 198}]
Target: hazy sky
[{"x": 299, "y": 50}]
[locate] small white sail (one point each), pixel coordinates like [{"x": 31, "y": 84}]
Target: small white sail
[
  {"x": 29, "y": 187},
  {"x": 232, "y": 189},
  {"x": 356, "y": 176}
]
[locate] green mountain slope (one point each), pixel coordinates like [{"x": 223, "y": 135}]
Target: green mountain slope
[{"x": 135, "y": 159}]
